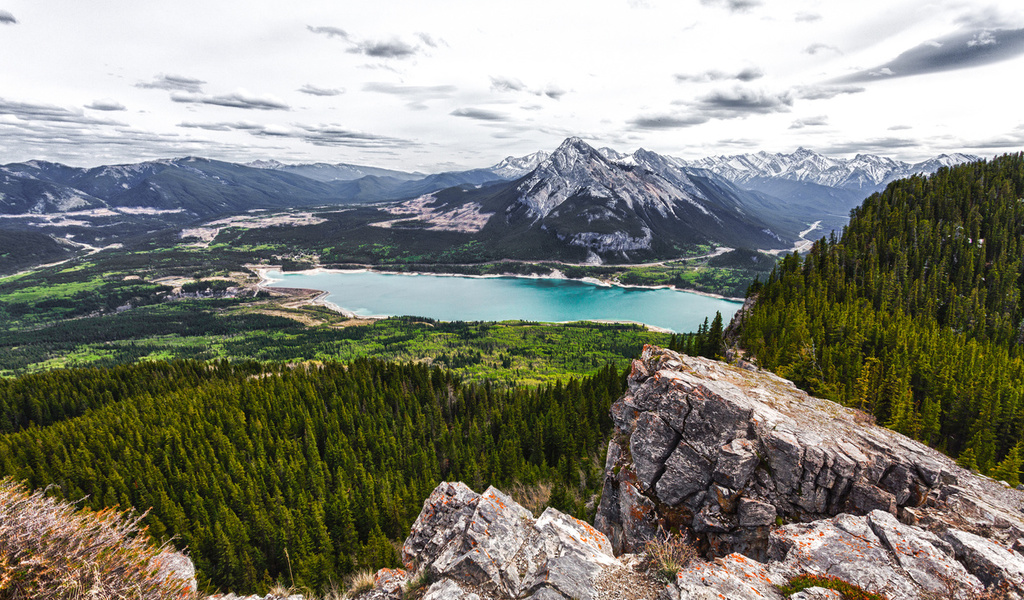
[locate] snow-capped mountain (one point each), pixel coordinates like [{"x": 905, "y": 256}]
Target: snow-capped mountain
[
  {"x": 577, "y": 200},
  {"x": 576, "y": 168},
  {"x": 513, "y": 167},
  {"x": 863, "y": 172},
  {"x": 943, "y": 160}
]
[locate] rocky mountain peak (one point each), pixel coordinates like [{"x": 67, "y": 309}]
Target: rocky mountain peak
[{"x": 574, "y": 168}]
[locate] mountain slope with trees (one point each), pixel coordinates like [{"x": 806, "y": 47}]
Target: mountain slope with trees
[
  {"x": 914, "y": 313},
  {"x": 275, "y": 472}
]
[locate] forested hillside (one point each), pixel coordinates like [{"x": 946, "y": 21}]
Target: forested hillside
[
  {"x": 268, "y": 472},
  {"x": 914, "y": 314}
]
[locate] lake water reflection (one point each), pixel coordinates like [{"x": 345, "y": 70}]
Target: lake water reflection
[{"x": 505, "y": 298}]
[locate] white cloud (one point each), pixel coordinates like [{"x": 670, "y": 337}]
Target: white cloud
[{"x": 415, "y": 84}]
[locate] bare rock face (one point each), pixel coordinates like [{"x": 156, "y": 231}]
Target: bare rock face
[
  {"x": 730, "y": 455},
  {"x": 488, "y": 546}
]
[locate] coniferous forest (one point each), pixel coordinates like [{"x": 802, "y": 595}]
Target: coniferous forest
[
  {"x": 914, "y": 314},
  {"x": 299, "y": 474}
]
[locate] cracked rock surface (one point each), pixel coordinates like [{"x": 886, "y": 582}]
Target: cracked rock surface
[
  {"x": 486, "y": 546},
  {"x": 775, "y": 483}
]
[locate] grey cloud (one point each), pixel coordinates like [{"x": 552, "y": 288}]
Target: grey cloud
[
  {"x": 7, "y": 18},
  {"x": 26, "y": 111},
  {"x": 825, "y": 92},
  {"x": 740, "y": 101},
  {"x": 818, "y": 121},
  {"x": 988, "y": 17},
  {"x": 511, "y": 84},
  {"x": 380, "y": 49},
  {"x": 820, "y": 47},
  {"x": 336, "y": 135},
  {"x": 1011, "y": 139},
  {"x": 899, "y": 127},
  {"x": 807, "y": 17},
  {"x": 423, "y": 92},
  {"x": 313, "y": 90},
  {"x": 89, "y": 144},
  {"x": 668, "y": 121},
  {"x": 429, "y": 40},
  {"x": 961, "y": 50},
  {"x": 318, "y": 135},
  {"x": 223, "y": 126},
  {"x": 747, "y": 74},
  {"x": 507, "y": 84},
  {"x": 480, "y": 114},
  {"x": 329, "y": 31},
  {"x": 871, "y": 146},
  {"x": 233, "y": 100},
  {"x": 106, "y": 104},
  {"x": 554, "y": 92},
  {"x": 735, "y": 103},
  {"x": 393, "y": 48},
  {"x": 174, "y": 83},
  {"x": 733, "y": 5}
]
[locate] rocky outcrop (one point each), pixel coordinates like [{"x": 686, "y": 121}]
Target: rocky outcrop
[
  {"x": 481, "y": 546},
  {"x": 776, "y": 483},
  {"x": 767, "y": 481}
]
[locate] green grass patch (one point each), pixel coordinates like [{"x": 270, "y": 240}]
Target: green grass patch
[{"x": 847, "y": 589}]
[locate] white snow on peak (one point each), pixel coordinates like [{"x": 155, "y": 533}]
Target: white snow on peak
[
  {"x": 575, "y": 168},
  {"x": 860, "y": 172},
  {"x": 513, "y": 167}
]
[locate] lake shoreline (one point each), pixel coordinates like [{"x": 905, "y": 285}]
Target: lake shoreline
[
  {"x": 262, "y": 269},
  {"x": 317, "y": 297}
]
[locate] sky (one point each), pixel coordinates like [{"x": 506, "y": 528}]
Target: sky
[{"x": 447, "y": 85}]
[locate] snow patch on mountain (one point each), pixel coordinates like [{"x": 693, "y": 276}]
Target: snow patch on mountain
[
  {"x": 513, "y": 167},
  {"x": 864, "y": 171},
  {"x": 576, "y": 169}
]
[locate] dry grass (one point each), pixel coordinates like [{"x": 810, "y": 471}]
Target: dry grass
[
  {"x": 360, "y": 583},
  {"x": 666, "y": 557},
  {"x": 533, "y": 498},
  {"x": 50, "y": 551},
  {"x": 333, "y": 592}
]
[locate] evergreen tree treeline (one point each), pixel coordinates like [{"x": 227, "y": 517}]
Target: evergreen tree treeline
[
  {"x": 914, "y": 313},
  {"x": 250, "y": 465},
  {"x": 708, "y": 340}
]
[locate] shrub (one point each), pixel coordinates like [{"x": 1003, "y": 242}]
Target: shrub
[
  {"x": 50, "y": 551},
  {"x": 847, "y": 589},
  {"x": 360, "y": 583},
  {"x": 668, "y": 556}
]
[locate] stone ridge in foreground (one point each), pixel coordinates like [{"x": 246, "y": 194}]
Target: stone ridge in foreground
[{"x": 728, "y": 455}]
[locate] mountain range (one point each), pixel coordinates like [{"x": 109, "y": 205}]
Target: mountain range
[{"x": 593, "y": 204}]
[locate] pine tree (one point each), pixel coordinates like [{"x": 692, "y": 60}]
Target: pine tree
[{"x": 1008, "y": 469}]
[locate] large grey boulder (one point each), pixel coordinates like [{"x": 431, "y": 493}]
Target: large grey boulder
[{"x": 489, "y": 546}]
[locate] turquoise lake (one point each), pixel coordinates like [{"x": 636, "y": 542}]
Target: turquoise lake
[{"x": 506, "y": 298}]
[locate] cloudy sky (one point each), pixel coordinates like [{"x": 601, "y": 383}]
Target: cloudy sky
[{"x": 449, "y": 84}]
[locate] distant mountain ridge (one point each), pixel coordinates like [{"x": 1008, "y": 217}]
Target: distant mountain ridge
[
  {"x": 198, "y": 187},
  {"x": 578, "y": 203},
  {"x": 862, "y": 172}
]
